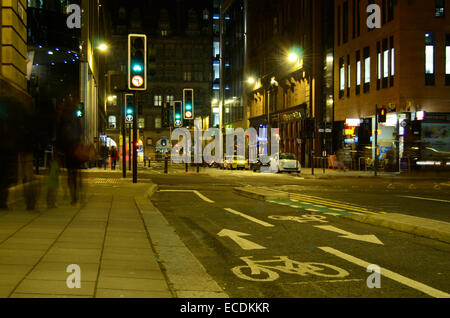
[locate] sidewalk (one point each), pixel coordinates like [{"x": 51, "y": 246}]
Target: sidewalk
[
  {"x": 107, "y": 236},
  {"x": 332, "y": 173}
]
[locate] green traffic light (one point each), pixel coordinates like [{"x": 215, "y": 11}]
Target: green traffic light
[
  {"x": 137, "y": 68},
  {"x": 177, "y": 116}
]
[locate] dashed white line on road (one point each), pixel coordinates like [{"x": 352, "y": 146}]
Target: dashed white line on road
[
  {"x": 389, "y": 274},
  {"x": 248, "y": 217},
  {"x": 421, "y": 198}
]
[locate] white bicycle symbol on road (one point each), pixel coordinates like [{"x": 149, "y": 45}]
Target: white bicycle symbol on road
[{"x": 267, "y": 273}]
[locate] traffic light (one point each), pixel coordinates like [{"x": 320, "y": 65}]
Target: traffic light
[
  {"x": 164, "y": 142},
  {"x": 137, "y": 62},
  {"x": 80, "y": 110},
  {"x": 188, "y": 102},
  {"x": 129, "y": 107},
  {"x": 178, "y": 114},
  {"x": 382, "y": 112}
]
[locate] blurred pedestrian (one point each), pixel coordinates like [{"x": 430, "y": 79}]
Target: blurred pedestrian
[
  {"x": 114, "y": 157},
  {"x": 53, "y": 182}
]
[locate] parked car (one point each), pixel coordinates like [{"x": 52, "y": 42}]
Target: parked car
[
  {"x": 287, "y": 162},
  {"x": 235, "y": 163}
]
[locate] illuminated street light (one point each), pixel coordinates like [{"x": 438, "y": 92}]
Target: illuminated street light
[
  {"x": 293, "y": 57},
  {"x": 102, "y": 47},
  {"x": 251, "y": 80}
]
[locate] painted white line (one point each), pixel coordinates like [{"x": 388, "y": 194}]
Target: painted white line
[
  {"x": 248, "y": 217},
  {"x": 389, "y": 274},
  {"x": 348, "y": 235},
  {"x": 421, "y": 198},
  {"x": 295, "y": 206},
  {"x": 311, "y": 210},
  {"x": 337, "y": 210},
  {"x": 201, "y": 196},
  {"x": 327, "y": 281},
  {"x": 243, "y": 243}
]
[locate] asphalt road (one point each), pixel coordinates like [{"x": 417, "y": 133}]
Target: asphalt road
[{"x": 311, "y": 255}]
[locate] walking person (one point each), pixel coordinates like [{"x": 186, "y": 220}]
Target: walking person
[{"x": 114, "y": 158}]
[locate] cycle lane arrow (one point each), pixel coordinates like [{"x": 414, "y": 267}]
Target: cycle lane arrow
[
  {"x": 348, "y": 235},
  {"x": 243, "y": 243}
]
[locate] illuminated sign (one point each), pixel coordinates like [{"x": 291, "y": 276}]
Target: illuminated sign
[{"x": 353, "y": 122}]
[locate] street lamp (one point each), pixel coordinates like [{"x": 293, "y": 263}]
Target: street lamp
[{"x": 102, "y": 47}]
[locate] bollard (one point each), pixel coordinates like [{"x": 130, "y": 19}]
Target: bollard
[
  {"x": 198, "y": 168},
  {"x": 186, "y": 167},
  {"x": 166, "y": 161}
]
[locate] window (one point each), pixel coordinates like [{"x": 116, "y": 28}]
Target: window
[
  {"x": 366, "y": 69},
  {"x": 158, "y": 101},
  {"x": 358, "y": 72},
  {"x": 379, "y": 65},
  {"x": 341, "y": 77},
  {"x": 391, "y": 10},
  {"x": 392, "y": 61},
  {"x": 163, "y": 32},
  {"x": 429, "y": 59},
  {"x": 354, "y": 18},
  {"x": 385, "y": 63},
  {"x": 345, "y": 18},
  {"x": 339, "y": 25},
  {"x": 358, "y": 18},
  {"x": 112, "y": 122},
  {"x": 141, "y": 123},
  {"x": 349, "y": 77},
  {"x": 187, "y": 76},
  {"x": 440, "y": 8},
  {"x": 158, "y": 124},
  {"x": 447, "y": 59},
  {"x": 169, "y": 100}
]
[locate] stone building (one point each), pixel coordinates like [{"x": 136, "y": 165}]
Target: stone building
[{"x": 180, "y": 55}]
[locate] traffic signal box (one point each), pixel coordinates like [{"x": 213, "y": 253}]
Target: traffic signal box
[
  {"x": 80, "y": 110},
  {"x": 178, "y": 114},
  {"x": 137, "y": 62},
  {"x": 129, "y": 107},
  {"x": 188, "y": 103},
  {"x": 382, "y": 113}
]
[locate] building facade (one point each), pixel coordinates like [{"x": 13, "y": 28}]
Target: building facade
[
  {"x": 16, "y": 109},
  {"x": 180, "y": 56},
  {"x": 288, "y": 73},
  {"x": 402, "y": 66}
]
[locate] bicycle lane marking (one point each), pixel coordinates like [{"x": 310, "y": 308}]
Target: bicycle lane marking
[
  {"x": 257, "y": 267},
  {"x": 389, "y": 274}
]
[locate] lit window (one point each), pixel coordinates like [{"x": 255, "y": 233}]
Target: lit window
[
  {"x": 429, "y": 59},
  {"x": 158, "y": 101},
  {"x": 358, "y": 73},
  {"x": 367, "y": 70},
  {"x": 429, "y": 54},
  {"x": 158, "y": 124},
  {"x": 440, "y": 8},
  {"x": 349, "y": 77},
  {"x": 392, "y": 62},
  {"x": 379, "y": 66}
]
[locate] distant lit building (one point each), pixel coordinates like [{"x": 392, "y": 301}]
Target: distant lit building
[{"x": 405, "y": 67}]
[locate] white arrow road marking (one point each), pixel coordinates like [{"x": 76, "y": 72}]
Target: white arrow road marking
[
  {"x": 389, "y": 274},
  {"x": 248, "y": 217},
  {"x": 201, "y": 196},
  {"x": 366, "y": 238},
  {"x": 243, "y": 243}
]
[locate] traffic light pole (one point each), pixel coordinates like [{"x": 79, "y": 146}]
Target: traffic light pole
[
  {"x": 124, "y": 142},
  {"x": 375, "y": 162},
  {"x": 135, "y": 138}
]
